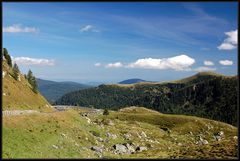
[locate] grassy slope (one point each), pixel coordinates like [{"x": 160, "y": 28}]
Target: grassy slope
[
  {"x": 33, "y": 136},
  {"x": 19, "y": 95}
]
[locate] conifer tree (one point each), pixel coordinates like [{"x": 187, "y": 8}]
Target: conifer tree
[
  {"x": 15, "y": 71},
  {"x": 7, "y": 57}
]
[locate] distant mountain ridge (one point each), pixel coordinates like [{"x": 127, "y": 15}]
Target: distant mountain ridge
[
  {"x": 205, "y": 94},
  {"x": 52, "y": 90},
  {"x": 132, "y": 81}
]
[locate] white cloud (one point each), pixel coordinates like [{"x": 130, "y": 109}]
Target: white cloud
[
  {"x": 230, "y": 42},
  {"x": 33, "y": 61},
  {"x": 204, "y": 68},
  {"x": 208, "y": 63},
  {"x": 97, "y": 64},
  {"x": 114, "y": 65},
  {"x": 226, "y": 62},
  {"x": 88, "y": 28},
  {"x": 16, "y": 28},
  {"x": 178, "y": 63}
]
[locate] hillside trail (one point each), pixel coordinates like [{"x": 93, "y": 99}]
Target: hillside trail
[
  {"x": 28, "y": 112},
  {"x": 19, "y": 112}
]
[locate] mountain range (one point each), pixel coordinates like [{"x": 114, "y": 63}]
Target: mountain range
[
  {"x": 52, "y": 90},
  {"x": 205, "y": 94}
]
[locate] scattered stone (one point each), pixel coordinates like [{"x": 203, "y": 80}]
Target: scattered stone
[
  {"x": 100, "y": 139},
  {"x": 113, "y": 136},
  {"x": 201, "y": 141},
  {"x": 97, "y": 149},
  {"x": 235, "y": 137},
  {"x": 209, "y": 126},
  {"x": 88, "y": 120},
  {"x": 127, "y": 136},
  {"x": 111, "y": 123},
  {"x": 4, "y": 94},
  {"x": 219, "y": 136},
  {"x": 64, "y": 135},
  {"x": 3, "y": 74},
  {"x": 130, "y": 148},
  {"x": 179, "y": 144},
  {"x": 55, "y": 146},
  {"x": 143, "y": 134},
  {"x": 141, "y": 148},
  {"x": 119, "y": 148},
  {"x": 190, "y": 132}
]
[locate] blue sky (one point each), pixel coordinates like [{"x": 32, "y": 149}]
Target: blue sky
[{"x": 110, "y": 42}]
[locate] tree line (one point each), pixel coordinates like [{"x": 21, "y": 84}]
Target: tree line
[{"x": 16, "y": 72}]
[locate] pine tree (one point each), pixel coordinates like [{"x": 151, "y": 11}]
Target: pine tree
[
  {"x": 7, "y": 57},
  {"x": 32, "y": 81},
  {"x": 15, "y": 71},
  {"x": 34, "y": 85}
]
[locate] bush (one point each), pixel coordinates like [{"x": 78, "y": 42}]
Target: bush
[{"x": 105, "y": 112}]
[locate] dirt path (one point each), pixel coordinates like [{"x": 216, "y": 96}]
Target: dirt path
[{"x": 18, "y": 112}]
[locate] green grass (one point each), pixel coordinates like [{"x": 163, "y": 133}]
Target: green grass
[{"x": 32, "y": 136}]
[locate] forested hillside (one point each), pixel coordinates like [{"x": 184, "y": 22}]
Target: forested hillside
[
  {"x": 52, "y": 90},
  {"x": 206, "y": 95}
]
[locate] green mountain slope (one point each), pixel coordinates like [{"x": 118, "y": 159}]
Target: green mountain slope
[
  {"x": 206, "y": 95},
  {"x": 52, "y": 90},
  {"x": 17, "y": 94},
  {"x": 71, "y": 134}
]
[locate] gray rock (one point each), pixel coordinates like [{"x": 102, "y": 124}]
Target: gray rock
[
  {"x": 100, "y": 140},
  {"x": 97, "y": 149},
  {"x": 55, "y": 146},
  {"x": 219, "y": 136},
  {"x": 113, "y": 136},
  {"x": 119, "y": 148},
  {"x": 130, "y": 148},
  {"x": 141, "y": 148},
  {"x": 143, "y": 134},
  {"x": 127, "y": 136}
]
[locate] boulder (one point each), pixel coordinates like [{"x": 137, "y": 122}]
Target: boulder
[
  {"x": 130, "y": 148},
  {"x": 119, "y": 148},
  {"x": 97, "y": 149},
  {"x": 141, "y": 148}
]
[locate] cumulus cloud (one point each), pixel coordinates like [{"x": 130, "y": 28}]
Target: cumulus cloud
[
  {"x": 33, "y": 61},
  {"x": 114, "y": 65},
  {"x": 88, "y": 28},
  {"x": 226, "y": 62},
  {"x": 16, "y": 28},
  {"x": 230, "y": 42},
  {"x": 97, "y": 64},
  {"x": 178, "y": 63},
  {"x": 208, "y": 63},
  {"x": 204, "y": 69}
]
